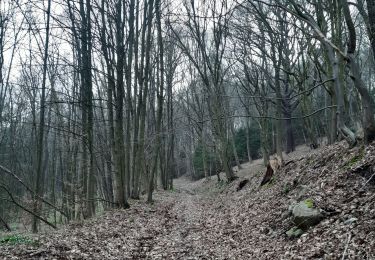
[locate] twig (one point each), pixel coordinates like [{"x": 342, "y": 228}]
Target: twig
[
  {"x": 5, "y": 224},
  {"x": 347, "y": 245},
  {"x": 27, "y": 210},
  {"x": 2, "y": 168},
  {"x": 367, "y": 181}
]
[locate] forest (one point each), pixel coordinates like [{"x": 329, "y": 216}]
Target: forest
[{"x": 106, "y": 105}]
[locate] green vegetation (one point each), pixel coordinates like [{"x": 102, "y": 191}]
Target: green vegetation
[
  {"x": 353, "y": 161},
  {"x": 240, "y": 141},
  {"x": 309, "y": 203},
  {"x": 17, "y": 239},
  {"x": 212, "y": 158}
]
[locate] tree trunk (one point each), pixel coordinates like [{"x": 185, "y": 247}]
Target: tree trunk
[
  {"x": 278, "y": 123},
  {"x": 367, "y": 101},
  {"x": 231, "y": 132},
  {"x": 248, "y": 148},
  {"x": 160, "y": 96},
  {"x": 40, "y": 145},
  {"x": 264, "y": 140},
  {"x": 143, "y": 83},
  {"x": 371, "y": 18},
  {"x": 204, "y": 154},
  {"x": 120, "y": 193}
]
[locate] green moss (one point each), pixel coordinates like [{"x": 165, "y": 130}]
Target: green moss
[
  {"x": 309, "y": 203},
  {"x": 353, "y": 161},
  {"x": 294, "y": 232},
  {"x": 17, "y": 240}
]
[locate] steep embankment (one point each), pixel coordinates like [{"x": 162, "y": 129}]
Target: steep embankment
[{"x": 206, "y": 220}]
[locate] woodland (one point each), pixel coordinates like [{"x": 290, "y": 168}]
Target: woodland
[{"x": 151, "y": 111}]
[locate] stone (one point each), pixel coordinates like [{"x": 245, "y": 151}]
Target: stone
[
  {"x": 305, "y": 215},
  {"x": 350, "y": 221}
]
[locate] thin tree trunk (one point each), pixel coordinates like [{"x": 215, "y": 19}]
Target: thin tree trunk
[
  {"x": 231, "y": 132},
  {"x": 160, "y": 97},
  {"x": 248, "y": 148},
  {"x": 120, "y": 193},
  {"x": 368, "y": 105},
  {"x": 371, "y": 19},
  {"x": 40, "y": 173}
]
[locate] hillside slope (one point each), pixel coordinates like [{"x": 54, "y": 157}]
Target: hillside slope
[{"x": 207, "y": 220}]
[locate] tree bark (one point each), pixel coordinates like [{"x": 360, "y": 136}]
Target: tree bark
[
  {"x": 367, "y": 100},
  {"x": 40, "y": 145},
  {"x": 371, "y": 19},
  {"x": 248, "y": 147},
  {"x": 160, "y": 99}
]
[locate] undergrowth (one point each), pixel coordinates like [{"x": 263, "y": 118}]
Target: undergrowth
[{"x": 17, "y": 240}]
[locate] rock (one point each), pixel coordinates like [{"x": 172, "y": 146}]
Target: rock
[
  {"x": 292, "y": 203},
  {"x": 305, "y": 215},
  {"x": 294, "y": 232},
  {"x": 350, "y": 221}
]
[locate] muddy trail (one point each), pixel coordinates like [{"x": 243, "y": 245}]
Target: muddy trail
[{"x": 210, "y": 220}]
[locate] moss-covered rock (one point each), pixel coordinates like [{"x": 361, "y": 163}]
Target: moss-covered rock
[{"x": 305, "y": 215}]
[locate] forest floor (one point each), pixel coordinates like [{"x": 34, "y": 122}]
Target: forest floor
[{"x": 210, "y": 220}]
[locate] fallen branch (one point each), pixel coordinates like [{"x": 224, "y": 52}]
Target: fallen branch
[
  {"x": 5, "y": 224},
  {"x": 346, "y": 247},
  {"x": 27, "y": 210},
  {"x": 372, "y": 176},
  {"x": 2, "y": 168}
]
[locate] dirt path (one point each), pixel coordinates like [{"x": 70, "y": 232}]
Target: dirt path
[
  {"x": 194, "y": 221},
  {"x": 207, "y": 220},
  {"x": 175, "y": 227},
  {"x": 198, "y": 225}
]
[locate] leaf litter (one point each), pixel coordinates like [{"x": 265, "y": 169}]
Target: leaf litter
[{"x": 205, "y": 220}]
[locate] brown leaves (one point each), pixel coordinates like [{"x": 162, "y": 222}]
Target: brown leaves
[{"x": 204, "y": 220}]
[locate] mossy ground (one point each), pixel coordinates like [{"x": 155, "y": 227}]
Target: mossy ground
[
  {"x": 17, "y": 239},
  {"x": 355, "y": 159}
]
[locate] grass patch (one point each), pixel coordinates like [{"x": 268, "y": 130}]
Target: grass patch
[
  {"x": 355, "y": 159},
  {"x": 17, "y": 240}
]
